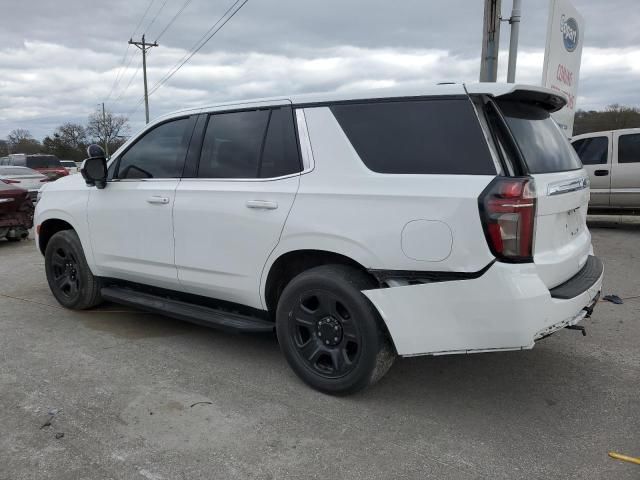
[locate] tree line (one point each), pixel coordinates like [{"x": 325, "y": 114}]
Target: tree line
[
  {"x": 612, "y": 117},
  {"x": 69, "y": 141}
]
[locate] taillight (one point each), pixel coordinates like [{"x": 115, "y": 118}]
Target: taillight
[
  {"x": 6, "y": 180},
  {"x": 508, "y": 213}
]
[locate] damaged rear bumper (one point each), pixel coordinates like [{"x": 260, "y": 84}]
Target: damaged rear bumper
[{"x": 507, "y": 308}]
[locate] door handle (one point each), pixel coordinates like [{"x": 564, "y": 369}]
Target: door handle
[
  {"x": 262, "y": 204},
  {"x": 601, "y": 173},
  {"x": 157, "y": 199}
]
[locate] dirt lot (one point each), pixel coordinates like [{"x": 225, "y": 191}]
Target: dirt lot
[{"x": 142, "y": 396}]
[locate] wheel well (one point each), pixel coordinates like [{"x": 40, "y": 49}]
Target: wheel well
[
  {"x": 48, "y": 229},
  {"x": 291, "y": 264}
]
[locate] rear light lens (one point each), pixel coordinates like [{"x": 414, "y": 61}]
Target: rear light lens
[
  {"x": 508, "y": 214},
  {"x": 6, "y": 180}
]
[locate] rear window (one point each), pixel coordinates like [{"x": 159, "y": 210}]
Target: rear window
[
  {"x": 438, "y": 136},
  {"x": 43, "y": 161},
  {"x": 543, "y": 145}
]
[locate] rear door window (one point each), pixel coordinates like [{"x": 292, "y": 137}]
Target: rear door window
[
  {"x": 250, "y": 144},
  {"x": 629, "y": 148},
  {"x": 544, "y": 147},
  {"x": 434, "y": 136},
  {"x": 593, "y": 150}
]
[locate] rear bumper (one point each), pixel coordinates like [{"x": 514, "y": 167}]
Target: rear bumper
[{"x": 507, "y": 308}]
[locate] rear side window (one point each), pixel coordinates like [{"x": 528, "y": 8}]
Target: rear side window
[
  {"x": 629, "y": 148},
  {"x": 249, "y": 144},
  {"x": 43, "y": 161},
  {"x": 439, "y": 136},
  {"x": 593, "y": 150},
  {"x": 544, "y": 147},
  {"x": 159, "y": 153}
]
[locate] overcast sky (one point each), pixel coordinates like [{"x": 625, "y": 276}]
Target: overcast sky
[{"x": 58, "y": 60}]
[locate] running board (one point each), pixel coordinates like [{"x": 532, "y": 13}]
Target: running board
[{"x": 201, "y": 315}]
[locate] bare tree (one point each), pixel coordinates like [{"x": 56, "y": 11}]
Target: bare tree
[
  {"x": 106, "y": 128},
  {"x": 19, "y": 135},
  {"x": 21, "y": 141}
]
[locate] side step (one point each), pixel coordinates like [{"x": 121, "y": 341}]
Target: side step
[{"x": 209, "y": 317}]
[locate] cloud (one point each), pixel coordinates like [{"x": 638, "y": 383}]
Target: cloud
[{"x": 56, "y": 71}]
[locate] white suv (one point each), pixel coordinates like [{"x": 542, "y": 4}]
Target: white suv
[{"x": 359, "y": 227}]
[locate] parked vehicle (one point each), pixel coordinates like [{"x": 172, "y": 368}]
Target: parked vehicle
[
  {"x": 70, "y": 166},
  {"x": 16, "y": 212},
  {"x": 612, "y": 159},
  {"x": 23, "y": 177},
  {"x": 358, "y": 227},
  {"x": 43, "y": 163}
]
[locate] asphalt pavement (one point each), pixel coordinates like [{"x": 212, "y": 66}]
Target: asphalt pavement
[{"x": 115, "y": 393}]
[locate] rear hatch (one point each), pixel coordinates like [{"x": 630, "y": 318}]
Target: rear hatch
[{"x": 562, "y": 242}]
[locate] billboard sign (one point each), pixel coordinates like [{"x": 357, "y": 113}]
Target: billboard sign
[{"x": 565, "y": 37}]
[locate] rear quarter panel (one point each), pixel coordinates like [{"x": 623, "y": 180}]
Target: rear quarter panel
[{"x": 345, "y": 208}]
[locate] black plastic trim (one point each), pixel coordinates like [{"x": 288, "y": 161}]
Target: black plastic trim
[
  {"x": 191, "y": 312},
  {"x": 419, "y": 276},
  {"x": 581, "y": 281},
  {"x": 330, "y": 103}
]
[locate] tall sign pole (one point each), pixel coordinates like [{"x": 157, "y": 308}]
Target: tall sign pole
[
  {"x": 490, "y": 41},
  {"x": 514, "y": 21},
  {"x": 143, "y": 46}
]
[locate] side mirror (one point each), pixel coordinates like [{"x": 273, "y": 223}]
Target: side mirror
[{"x": 94, "y": 168}]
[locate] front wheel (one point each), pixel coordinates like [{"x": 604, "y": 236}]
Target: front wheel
[
  {"x": 330, "y": 333},
  {"x": 68, "y": 274}
]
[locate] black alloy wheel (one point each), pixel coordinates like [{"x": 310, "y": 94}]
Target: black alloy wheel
[
  {"x": 325, "y": 334},
  {"x": 68, "y": 274},
  {"x": 330, "y": 333}
]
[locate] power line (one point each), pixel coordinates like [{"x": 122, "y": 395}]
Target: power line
[
  {"x": 184, "y": 5},
  {"x": 121, "y": 71},
  {"x": 144, "y": 46},
  {"x": 155, "y": 16},
  {"x": 175, "y": 69},
  {"x": 217, "y": 26},
  {"x": 130, "y": 82}
]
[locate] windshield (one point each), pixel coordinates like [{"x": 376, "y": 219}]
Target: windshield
[{"x": 543, "y": 145}]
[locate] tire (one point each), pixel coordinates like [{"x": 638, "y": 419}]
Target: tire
[
  {"x": 68, "y": 274},
  {"x": 330, "y": 333}
]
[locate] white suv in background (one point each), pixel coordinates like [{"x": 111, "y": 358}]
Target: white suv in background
[{"x": 359, "y": 227}]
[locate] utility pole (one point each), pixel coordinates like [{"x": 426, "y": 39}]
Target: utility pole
[
  {"x": 104, "y": 126},
  {"x": 143, "y": 46},
  {"x": 490, "y": 41},
  {"x": 514, "y": 21}
]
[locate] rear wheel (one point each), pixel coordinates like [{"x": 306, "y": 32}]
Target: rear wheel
[
  {"x": 330, "y": 333},
  {"x": 68, "y": 274}
]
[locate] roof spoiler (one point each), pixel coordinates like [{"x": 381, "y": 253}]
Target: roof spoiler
[
  {"x": 551, "y": 102},
  {"x": 546, "y": 98}
]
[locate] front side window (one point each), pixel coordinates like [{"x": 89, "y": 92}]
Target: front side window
[
  {"x": 629, "y": 148},
  {"x": 593, "y": 150},
  {"x": 159, "y": 153},
  {"x": 435, "y": 136},
  {"x": 249, "y": 144}
]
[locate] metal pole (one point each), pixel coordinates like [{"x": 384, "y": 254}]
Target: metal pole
[
  {"x": 144, "y": 46},
  {"x": 104, "y": 126},
  {"x": 144, "y": 71},
  {"x": 490, "y": 41},
  {"x": 514, "y": 21}
]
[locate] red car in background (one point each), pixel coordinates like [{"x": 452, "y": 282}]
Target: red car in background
[
  {"x": 47, "y": 164},
  {"x": 16, "y": 212}
]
